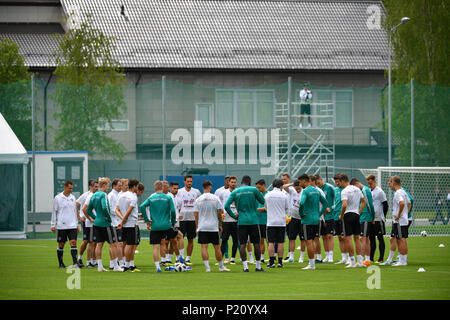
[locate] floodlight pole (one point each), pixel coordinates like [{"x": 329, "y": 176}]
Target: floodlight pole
[
  {"x": 389, "y": 106},
  {"x": 412, "y": 122},
  {"x": 289, "y": 125},
  {"x": 163, "y": 106},
  {"x": 33, "y": 163},
  {"x": 412, "y": 147},
  {"x": 391, "y": 31}
]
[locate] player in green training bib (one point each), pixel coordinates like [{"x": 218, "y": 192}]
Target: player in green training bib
[
  {"x": 262, "y": 217},
  {"x": 327, "y": 229},
  {"x": 337, "y": 221},
  {"x": 161, "y": 210},
  {"x": 245, "y": 199},
  {"x": 103, "y": 231},
  {"x": 309, "y": 212}
]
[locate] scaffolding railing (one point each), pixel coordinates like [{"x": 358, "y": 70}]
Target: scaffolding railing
[{"x": 317, "y": 155}]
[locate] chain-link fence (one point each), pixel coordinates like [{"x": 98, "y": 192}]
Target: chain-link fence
[
  {"x": 430, "y": 189},
  {"x": 205, "y": 122}
]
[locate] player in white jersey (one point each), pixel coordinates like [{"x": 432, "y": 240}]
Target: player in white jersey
[
  {"x": 208, "y": 211},
  {"x": 229, "y": 225},
  {"x": 123, "y": 189},
  {"x": 128, "y": 208},
  {"x": 366, "y": 219},
  {"x": 64, "y": 222},
  {"x": 381, "y": 206},
  {"x": 305, "y": 105},
  {"x": 286, "y": 189},
  {"x": 297, "y": 227},
  {"x": 89, "y": 226},
  {"x": 293, "y": 228},
  {"x": 88, "y": 234},
  {"x": 400, "y": 206},
  {"x": 351, "y": 198},
  {"x": 113, "y": 198},
  {"x": 185, "y": 202},
  {"x": 278, "y": 206},
  {"x": 226, "y": 185},
  {"x": 124, "y": 186}
]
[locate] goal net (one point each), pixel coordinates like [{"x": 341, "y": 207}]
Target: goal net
[{"x": 430, "y": 188}]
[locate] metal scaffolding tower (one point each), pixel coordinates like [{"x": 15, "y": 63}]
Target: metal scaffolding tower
[{"x": 309, "y": 150}]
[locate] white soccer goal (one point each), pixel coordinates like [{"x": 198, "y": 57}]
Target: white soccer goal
[{"x": 430, "y": 188}]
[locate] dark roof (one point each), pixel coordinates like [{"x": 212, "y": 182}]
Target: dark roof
[
  {"x": 229, "y": 34},
  {"x": 30, "y": 2}
]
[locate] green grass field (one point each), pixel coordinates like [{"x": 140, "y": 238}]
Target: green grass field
[{"x": 29, "y": 271}]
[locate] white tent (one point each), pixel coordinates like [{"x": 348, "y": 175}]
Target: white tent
[{"x": 13, "y": 184}]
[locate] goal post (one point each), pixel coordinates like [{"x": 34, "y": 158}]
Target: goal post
[{"x": 430, "y": 189}]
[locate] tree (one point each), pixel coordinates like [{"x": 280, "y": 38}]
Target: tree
[
  {"x": 421, "y": 52},
  {"x": 15, "y": 91},
  {"x": 88, "y": 91}
]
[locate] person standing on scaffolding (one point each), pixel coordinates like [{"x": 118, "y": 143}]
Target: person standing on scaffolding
[{"x": 305, "y": 104}]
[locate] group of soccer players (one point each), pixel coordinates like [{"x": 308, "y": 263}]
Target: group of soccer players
[{"x": 307, "y": 208}]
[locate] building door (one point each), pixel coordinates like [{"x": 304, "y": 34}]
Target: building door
[{"x": 68, "y": 169}]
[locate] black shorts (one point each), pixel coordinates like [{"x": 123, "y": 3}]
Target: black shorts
[
  {"x": 310, "y": 231},
  {"x": 366, "y": 229},
  {"x": 205, "y": 237},
  {"x": 276, "y": 234},
  {"x": 409, "y": 223},
  {"x": 88, "y": 234},
  {"x": 379, "y": 228},
  {"x": 119, "y": 234},
  {"x": 327, "y": 227},
  {"x": 249, "y": 232},
  {"x": 305, "y": 109},
  {"x": 351, "y": 224},
  {"x": 262, "y": 230},
  {"x": 131, "y": 235},
  {"x": 229, "y": 229},
  {"x": 157, "y": 236},
  {"x": 294, "y": 229},
  {"x": 338, "y": 229},
  {"x": 399, "y": 232},
  {"x": 188, "y": 229},
  {"x": 102, "y": 234},
  {"x": 63, "y": 235}
]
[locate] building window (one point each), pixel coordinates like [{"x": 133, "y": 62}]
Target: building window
[
  {"x": 244, "y": 108},
  {"x": 342, "y": 100},
  {"x": 224, "y": 108},
  {"x": 203, "y": 112},
  {"x": 116, "y": 125},
  {"x": 343, "y": 108}
]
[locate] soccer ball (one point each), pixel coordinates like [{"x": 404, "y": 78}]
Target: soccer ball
[
  {"x": 423, "y": 233},
  {"x": 180, "y": 267}
]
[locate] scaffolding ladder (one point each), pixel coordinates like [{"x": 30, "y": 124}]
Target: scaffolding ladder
[{"x": 312, "y": 150}]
